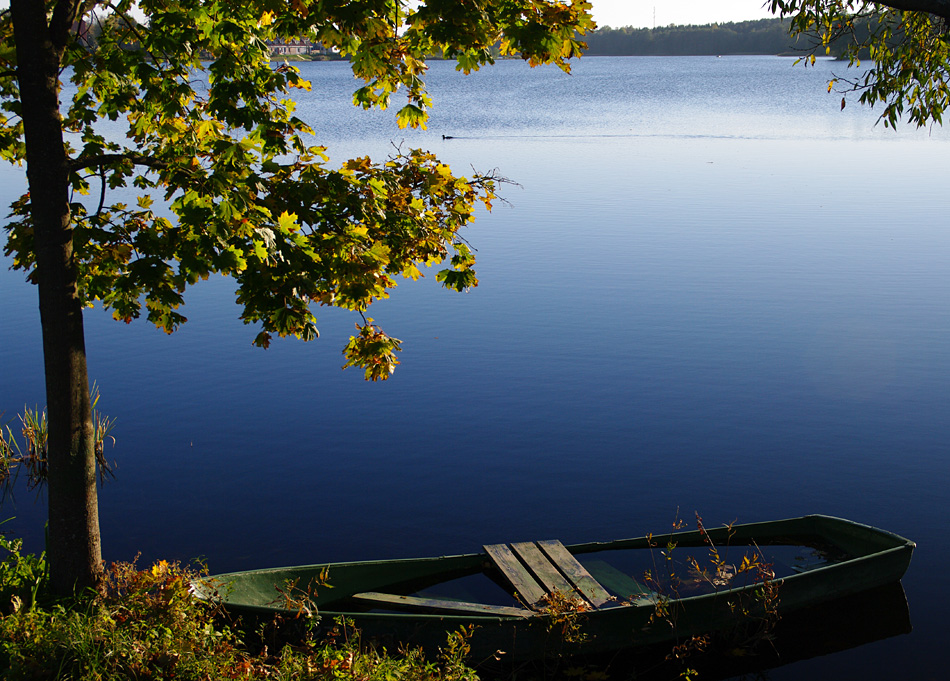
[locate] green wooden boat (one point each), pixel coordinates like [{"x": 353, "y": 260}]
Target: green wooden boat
[{"x": 519, "y": 596}]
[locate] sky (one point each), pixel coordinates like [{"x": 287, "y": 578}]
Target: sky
[{"x": 639, "y": 13}]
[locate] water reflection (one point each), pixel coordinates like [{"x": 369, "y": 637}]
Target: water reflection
[{"x": 836, "y": 626}]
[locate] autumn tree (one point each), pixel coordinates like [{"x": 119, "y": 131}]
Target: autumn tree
[
  {"x": 907, "y": 42},
  {"x": 227, "y": 180}
]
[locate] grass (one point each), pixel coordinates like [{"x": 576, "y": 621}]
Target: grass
[{"x": 147, "y": 624}]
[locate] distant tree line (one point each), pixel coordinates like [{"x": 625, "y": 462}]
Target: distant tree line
[{"x": 762, "y": 36}]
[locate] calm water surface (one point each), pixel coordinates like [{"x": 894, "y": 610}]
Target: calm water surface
[{"x": 711, "y": 291}]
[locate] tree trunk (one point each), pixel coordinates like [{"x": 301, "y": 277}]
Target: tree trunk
[{"x": 74, "y": 550}]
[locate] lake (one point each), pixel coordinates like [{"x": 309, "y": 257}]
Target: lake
[{"x": 710, "y": 291}]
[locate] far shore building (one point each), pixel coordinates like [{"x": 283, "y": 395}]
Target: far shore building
[
  {"x": 285, "y": 47},
  {"x": 299, "y": 46}
]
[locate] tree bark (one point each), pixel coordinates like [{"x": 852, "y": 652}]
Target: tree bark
[{"x": 74, "y": 551}]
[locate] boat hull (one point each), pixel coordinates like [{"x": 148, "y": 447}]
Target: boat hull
[{"x": 874, "y": 558}]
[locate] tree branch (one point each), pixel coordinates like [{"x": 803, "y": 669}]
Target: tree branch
[
  {"x": 104, "y": 159},
  {"x": 132, "y": 25},
  {"x": 65, "y": 14},
  {"x": 939, "y": 7},
  {"x": 102, "y": 190},
  {"x": 129, "y": 23}
]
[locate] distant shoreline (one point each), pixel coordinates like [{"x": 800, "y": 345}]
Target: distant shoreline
[{"x": 756, "y": 37}]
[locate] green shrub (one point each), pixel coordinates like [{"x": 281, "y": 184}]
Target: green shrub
[
  {"x": 147, "y": 624},
  {"x": 22, "y": 577}
]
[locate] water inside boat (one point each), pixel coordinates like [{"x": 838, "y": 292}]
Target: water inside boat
[
  {"x": 634, "y": 576},
  {"x": 696, "y": 571},
  {"x": 476, "y": 588}
]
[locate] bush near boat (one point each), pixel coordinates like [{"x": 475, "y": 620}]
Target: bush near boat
[{"x": 147, "y": 624}]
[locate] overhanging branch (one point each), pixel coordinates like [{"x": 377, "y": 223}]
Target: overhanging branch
[
  {"x": 105, "y": 159},
  {"x": 939, "y": 7}
]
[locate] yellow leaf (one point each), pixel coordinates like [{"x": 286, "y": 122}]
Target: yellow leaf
[
  {"x": 267, "y": 19},
  {"x": 206, "y": 127},
  {"x": 287, "y": 222}
]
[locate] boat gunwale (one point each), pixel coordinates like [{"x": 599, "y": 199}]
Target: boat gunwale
[{"x": 776, "y": 529}]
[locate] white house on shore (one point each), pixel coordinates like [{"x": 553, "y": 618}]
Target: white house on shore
[{"x": 300, "y": 46}]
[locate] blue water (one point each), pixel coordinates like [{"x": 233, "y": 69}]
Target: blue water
[{"x": 711, "y": 290}]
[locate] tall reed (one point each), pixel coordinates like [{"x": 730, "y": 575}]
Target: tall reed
[{"x": 32, "y": 455}]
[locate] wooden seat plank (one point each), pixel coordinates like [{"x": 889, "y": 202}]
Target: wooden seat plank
[
  {"x": 524, "y": 584},
  {"x": 617, "y": 581},
  {"x": 417, "y": 603},
  {"x": 575, "y": 572},
  {"x": 544, "y": 571}
]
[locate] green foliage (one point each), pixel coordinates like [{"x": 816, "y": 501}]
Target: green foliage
[
  {"x": 34, "y": 453},
  {"x": 672, "y": 579},
  {"x": 22, "y": 577},
  {"x": 36, "y": 436},
  {"x": 909, "y": 53},
  {"x": 145, "y": 624},
  {"x": 345, "y": 655},
  {"x": 565, "y": 616},
  {"x": 102, "y": 427},
  {"x": 148, "y": 624},
  {"x": 9, "y": 452},
  {"x": 228, "y": 180},
  {"x": 374, "y": 350}
]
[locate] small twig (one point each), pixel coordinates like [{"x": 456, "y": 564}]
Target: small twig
[
  {"x": 102, "y": 191},
  {"x": 132, "y": 26}
]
